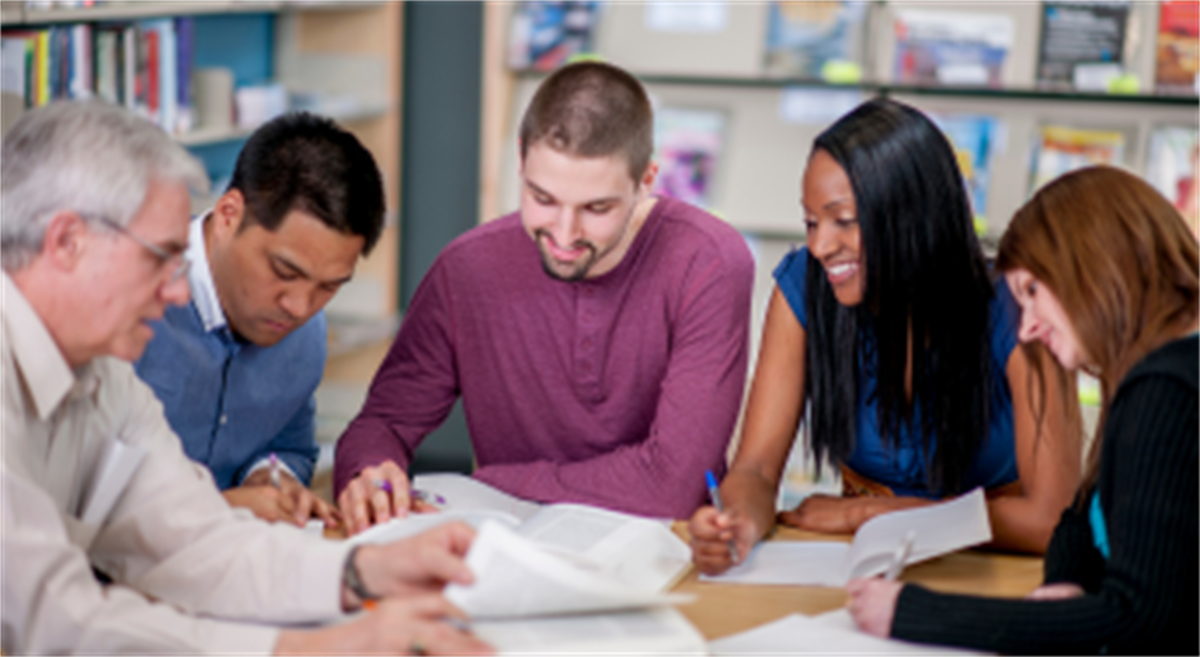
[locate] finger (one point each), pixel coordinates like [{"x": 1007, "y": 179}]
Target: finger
[
  {"x": 380, "y": 505},
  {"x": 458, "y": 537},
  {"x": 304, "y": 506},
  {"x": 421, "y": 506},
  {"x": 354, "y": 508},
  {"x": 704, "y": 523},
  {"x": 325, "y": 512},
  {"x": 443, "y": 565},
  {"x": 401, "y": 499}
]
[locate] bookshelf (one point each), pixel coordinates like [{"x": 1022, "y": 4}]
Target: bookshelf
[{"x": 346, "y": 56}]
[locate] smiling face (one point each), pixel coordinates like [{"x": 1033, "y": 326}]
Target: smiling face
[
  {"x": 831, "y": 223},
  {"x": 1043, "y": 318},
  {"x": 271, "y": 282},
  {"x": 579, "y": 211},
  {"x": 123, "y": 285}
]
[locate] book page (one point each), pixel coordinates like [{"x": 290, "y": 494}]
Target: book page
[
  {"x": 937, "y": 529},
  {"x": 832, "y": 633},
  {"x": 795, "y": 563},
  {"x": 462, "y": 493},
  {"x": 516, "y": 577},
  {"x": 658, "y": 630},
  {"x": 640, "y": 552},
  {"x": 415, "y": 523}
]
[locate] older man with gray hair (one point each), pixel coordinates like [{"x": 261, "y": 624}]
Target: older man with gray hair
[{"x": 95, "y": 211}]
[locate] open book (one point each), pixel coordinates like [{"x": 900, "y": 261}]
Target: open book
[
  {"x": 934, "y": 530},
  {"x": 639, "y": 552}
]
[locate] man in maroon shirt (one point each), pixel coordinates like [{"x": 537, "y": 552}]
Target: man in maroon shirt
[{"x": 598, "y": 337}]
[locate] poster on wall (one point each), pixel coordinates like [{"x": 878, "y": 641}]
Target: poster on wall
[
  {"x": 1173, "y": 167},
  {"x": 815, "y": 40},
  {"x": 1082, "y": 45},
  {"x": 545, "y": 35},
  {"x": 1177, "y": 53},
  {"x": 688, "y": 143},
  {"x": 1064, "y": 148},
  {"x": 952, "y": 48},
  {"x": 973, "y": 137}
]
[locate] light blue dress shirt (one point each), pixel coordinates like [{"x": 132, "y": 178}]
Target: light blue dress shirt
[{"x": 234, "y": 403}]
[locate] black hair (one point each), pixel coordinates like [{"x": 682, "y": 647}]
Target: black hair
[
  {"x": 925, "y": 277},
  {"x": 300, "y": 161}
]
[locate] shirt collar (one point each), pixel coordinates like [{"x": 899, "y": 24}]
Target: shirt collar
[
  {"x": 38, "y": 359},
  {"x": 204, "y": 292}
]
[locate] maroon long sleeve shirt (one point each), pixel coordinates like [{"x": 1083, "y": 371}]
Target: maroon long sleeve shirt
[{"x": 617, "y": 391}]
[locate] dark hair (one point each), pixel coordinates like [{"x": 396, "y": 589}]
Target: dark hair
[
  {"x": 1121, "y": 261},
  {"x": 592, "y": 109},
  {"x": 304, "y": 162},
  {"x": 925, "y": 274}
]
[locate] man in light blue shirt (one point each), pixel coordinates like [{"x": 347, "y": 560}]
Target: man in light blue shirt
[{"x": 236, "y": 368}]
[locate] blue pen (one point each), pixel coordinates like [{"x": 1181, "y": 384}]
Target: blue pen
[{"x": 715, "y": 494}]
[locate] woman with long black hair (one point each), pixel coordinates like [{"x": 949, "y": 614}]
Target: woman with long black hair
[{"x": 889, "y": 337}]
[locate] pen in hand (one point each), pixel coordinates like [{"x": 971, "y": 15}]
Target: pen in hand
[
  {"x": 275, "y": 482},
  {"x": 715, "y": 494}
]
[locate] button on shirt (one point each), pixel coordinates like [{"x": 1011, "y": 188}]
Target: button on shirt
[
  {"x": 169, "y": 534},
  {"x": 234, "y": 403}
]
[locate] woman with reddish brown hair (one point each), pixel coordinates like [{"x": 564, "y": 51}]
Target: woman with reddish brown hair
[{"x": 1105, "y": 271}]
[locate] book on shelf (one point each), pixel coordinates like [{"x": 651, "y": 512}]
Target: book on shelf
[
  {"x": 1173, "y": 167},
  {"x": 1082, "y": 45},
  {"x": 815, "y": 40},
  {"x": 1177, "y": 51},
  {"x": 145, "y": 66},
  {"x": 688, "y": 143},
  {"x": 545, "y": 35},
  {"x": 949, "y": 48},
  {"x": 1060, "y": 149},
  {"x": 972, "y": 136}
]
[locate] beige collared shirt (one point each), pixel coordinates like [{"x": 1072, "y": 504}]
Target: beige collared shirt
[{"x": 221, "y": 578}]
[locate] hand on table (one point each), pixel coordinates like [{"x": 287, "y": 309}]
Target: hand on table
[
  {"x": 1056, "y": 591},
  {"x": 711, "y": 532},
  {"x": 825, "y": 513},
  {"x": 830, "y": 514},
  {"x": 421, "y": 564},
  {"x": 291, "y": 502},
  {"x": 378, "y": 494},
  {"x": 873, "y": 604},
  {"x": 414, "y": 625}
]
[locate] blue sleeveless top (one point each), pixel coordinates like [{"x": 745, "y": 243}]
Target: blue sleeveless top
[{"x": 903, "y": 468}]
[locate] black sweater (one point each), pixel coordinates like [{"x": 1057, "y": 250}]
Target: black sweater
[{"x": 1145, "y": 598}]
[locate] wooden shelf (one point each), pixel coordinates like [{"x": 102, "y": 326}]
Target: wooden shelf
[
  {"x": 17, "y": 13},
  {"x": 207, "y": 136}
]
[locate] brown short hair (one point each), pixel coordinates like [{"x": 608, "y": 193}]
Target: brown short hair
[
  {"x": 1121, "y": 261},
  {"x": 592, "y": 109}
]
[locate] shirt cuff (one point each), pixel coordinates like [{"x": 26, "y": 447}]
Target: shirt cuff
[{"x": 266, "y": 463}]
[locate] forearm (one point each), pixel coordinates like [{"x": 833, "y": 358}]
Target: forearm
[{"x": 1021, "y": 524}]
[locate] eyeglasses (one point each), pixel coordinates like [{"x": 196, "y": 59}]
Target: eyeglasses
[{"x": 179, "y": 260}]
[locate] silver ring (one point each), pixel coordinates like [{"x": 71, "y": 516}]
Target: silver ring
[{"x": 417, "y": 647}]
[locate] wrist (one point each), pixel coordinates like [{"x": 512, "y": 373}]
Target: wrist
[{"x": 353, "y": 581}]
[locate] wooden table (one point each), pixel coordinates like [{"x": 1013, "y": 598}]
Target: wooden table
[{"x": 724, "y": 609}]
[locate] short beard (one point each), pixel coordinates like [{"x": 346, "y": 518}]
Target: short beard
[{"x": 580, "y": 270}]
